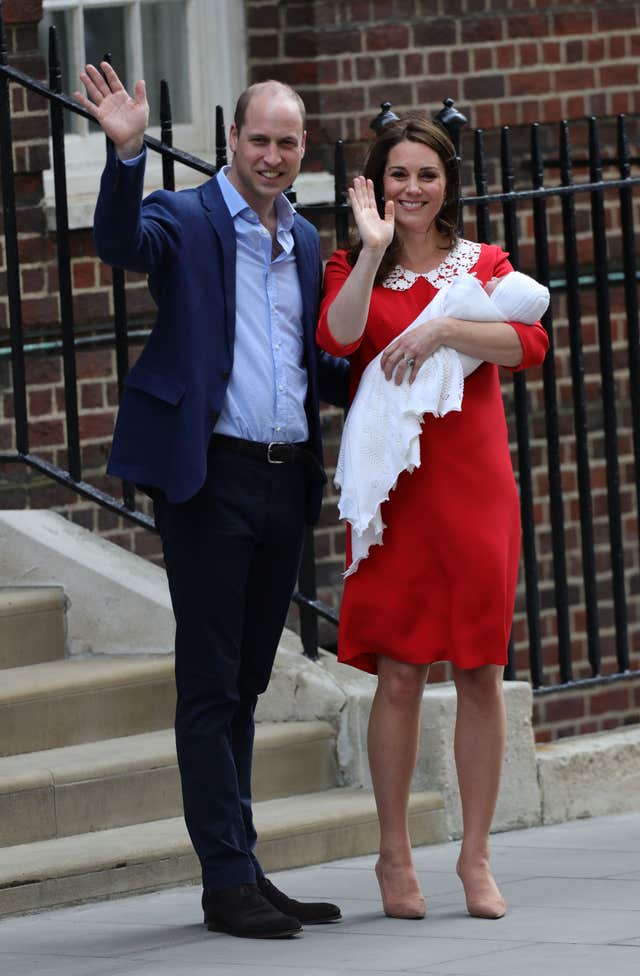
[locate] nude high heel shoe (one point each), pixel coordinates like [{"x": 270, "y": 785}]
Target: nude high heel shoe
[
  {"x": 485, "y": 901},
  {"x": 410, "y": 906}
]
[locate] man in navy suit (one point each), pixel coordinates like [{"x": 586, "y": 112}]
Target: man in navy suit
[{"x": 219, "y": 421}]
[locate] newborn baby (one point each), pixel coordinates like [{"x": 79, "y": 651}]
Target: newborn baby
[{"x": 381, "y": 436}]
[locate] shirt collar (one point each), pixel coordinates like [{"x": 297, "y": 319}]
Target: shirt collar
[{"x": 237, "y": 205}]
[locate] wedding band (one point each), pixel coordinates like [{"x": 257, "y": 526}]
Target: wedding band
[{"x": 409, "y": 360}]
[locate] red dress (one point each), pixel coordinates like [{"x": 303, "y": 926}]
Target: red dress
[{"x": 442, "y": 585}]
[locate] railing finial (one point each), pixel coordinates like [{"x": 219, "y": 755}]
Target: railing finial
[
  {"x": 384, "y": 117},
  {"x": 452, "y": 120}
]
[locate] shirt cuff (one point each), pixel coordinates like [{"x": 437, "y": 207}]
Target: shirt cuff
[{"x": 133, "y": 160}]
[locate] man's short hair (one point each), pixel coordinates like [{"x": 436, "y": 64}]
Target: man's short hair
[{"x": 277, "y": 86}]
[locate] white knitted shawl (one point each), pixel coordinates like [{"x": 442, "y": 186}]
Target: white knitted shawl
[{"x": 382, "y": 430}]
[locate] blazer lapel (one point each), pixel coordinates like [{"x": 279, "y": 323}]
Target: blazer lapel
[
  {"x": 222, "y": 224},
  {"x": 305, "y": 262}
]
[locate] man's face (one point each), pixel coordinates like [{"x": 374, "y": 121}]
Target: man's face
[{"x": 268, "y": 149}]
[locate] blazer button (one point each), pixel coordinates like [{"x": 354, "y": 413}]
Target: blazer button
[{"x": 226, "y": 373}]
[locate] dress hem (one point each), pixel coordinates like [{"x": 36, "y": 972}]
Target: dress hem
[{"x": 364, "y": 661}]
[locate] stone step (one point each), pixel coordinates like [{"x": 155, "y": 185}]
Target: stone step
[
  {"x": 589, "y": 775},
  {"x": 133, "y": 779},
  {"x": 298, "y": 830},
  {"x": 61, "y": 703},
  {"x": 32, "y": 625}
]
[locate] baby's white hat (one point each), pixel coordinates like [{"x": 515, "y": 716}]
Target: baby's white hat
[{"x": 520, "y": 298}]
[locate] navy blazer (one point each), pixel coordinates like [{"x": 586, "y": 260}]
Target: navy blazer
[{"x": 173, "y": 395}]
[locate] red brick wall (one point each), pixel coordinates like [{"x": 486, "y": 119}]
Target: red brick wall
[
  {"x": 504, "y": 62},
  {"x": 588, "y": 710}
]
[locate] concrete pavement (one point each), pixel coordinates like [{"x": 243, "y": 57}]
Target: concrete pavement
[{"x": 573, "y": 891}]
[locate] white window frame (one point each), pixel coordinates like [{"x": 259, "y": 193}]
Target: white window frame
[{"x": 216, "y": 41}]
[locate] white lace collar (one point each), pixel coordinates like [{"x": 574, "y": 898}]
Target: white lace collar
[{"x": 458, "y": 261}]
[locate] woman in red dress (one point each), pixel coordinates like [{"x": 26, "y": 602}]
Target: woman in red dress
[{"x": 441, "y": 587}]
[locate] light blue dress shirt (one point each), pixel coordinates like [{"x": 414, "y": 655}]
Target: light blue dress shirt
[{"x": 268, "y": 385}]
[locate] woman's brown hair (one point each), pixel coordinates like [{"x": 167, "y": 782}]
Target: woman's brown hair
[{"x": 412, "y": 128}]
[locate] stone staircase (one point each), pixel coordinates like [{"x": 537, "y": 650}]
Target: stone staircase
[{"x": 90, "y": 800}]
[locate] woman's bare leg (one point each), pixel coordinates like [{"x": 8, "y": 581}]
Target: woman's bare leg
[
  {"x": 479, "y": 752},
  {"x": 393, "y": 747}
]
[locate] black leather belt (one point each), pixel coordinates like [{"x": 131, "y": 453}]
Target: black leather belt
[{"x": 276, "y": 452}]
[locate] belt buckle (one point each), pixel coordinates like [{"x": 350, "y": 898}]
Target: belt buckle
[{"x": 270, "y": 459}]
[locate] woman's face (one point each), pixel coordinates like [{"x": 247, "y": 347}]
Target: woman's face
[{"x": 414, "y": 178}]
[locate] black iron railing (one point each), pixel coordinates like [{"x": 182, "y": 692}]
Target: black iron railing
[
  {"x": 540, "y": 196},
  {"x": 497, "y": 215}
]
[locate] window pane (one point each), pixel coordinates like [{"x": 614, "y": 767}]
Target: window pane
[
  {"x": 165, "y": 55},
  {"x": 104, "y": 33},
  {"x": 62, "y": 22}
]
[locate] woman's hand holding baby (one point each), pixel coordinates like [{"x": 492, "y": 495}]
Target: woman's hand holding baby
[{"x": 403, "y": 359}]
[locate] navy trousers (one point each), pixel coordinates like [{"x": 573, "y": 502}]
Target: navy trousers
[{"x": 232, "y": 554}]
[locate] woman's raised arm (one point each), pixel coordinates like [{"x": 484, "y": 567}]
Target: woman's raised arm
[{"x": 347, "y": 315}]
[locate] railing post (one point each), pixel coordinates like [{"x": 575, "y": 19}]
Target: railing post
[
  {"x": 340, "y": 195},
  {"x": 630, "y": 295},
  {"x": 581, "y": 426},
  {"x": 221, "y": 140},
  {"x": 452, "y": 120},
  {"x": 64, "y": 263},
  {"x": 12, "y": 254},
  {"x": 522, "y": 432},
  {"x": 307, "y": 587},
  {"x": 166, "y": 137},
  {"x": 551, "y": 419},
  {"x": 483, "y": 223}
]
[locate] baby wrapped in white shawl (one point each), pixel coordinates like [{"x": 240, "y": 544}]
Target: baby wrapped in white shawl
[{"x": 381, "y": 436}]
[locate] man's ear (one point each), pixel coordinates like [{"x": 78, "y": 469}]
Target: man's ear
[
  {"x": 303, "y": 143},
  {"x": 233, "y": 137}
]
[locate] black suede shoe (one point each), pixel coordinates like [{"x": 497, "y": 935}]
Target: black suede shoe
[
  {"x": 309, "y": 913},
  {"x": 245, "y": 912}
]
